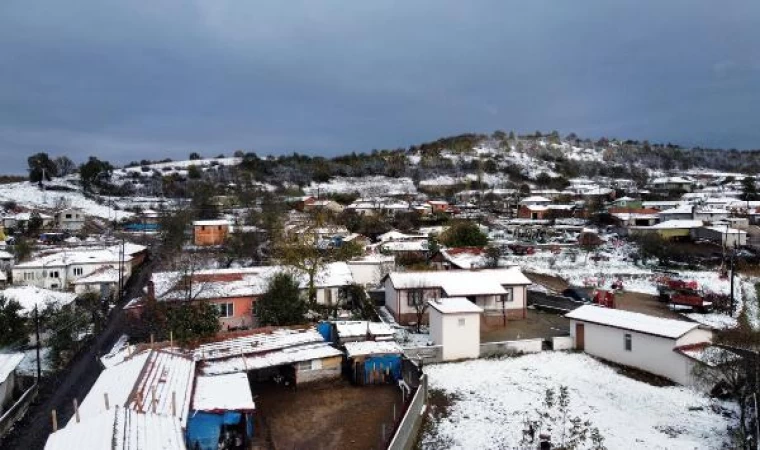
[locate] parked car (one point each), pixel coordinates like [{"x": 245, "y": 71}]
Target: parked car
[{"x": 577, "y": 294}]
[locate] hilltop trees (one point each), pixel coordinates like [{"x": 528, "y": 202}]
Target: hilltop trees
[
  {"x": 41, "y": 168},
  {"x": 94, "y": 173}
]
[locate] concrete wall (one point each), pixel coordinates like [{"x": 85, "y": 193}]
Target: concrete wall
[
  {"x": 322, "y": 369},
  {"x": 653, "y": 354},
  {"x": 431, "y": 354},
  {"x": 563, "y": 343},
  {"x": 409, "y": 427},
  {"x": 457, "y": 333},
  {"x": 511, "y": 347}
]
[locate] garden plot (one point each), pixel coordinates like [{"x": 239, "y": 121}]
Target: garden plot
[{"x": 492, "y": 399}]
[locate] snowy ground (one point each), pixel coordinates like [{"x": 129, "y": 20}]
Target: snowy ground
[
  {"x": 494, "y": 397},
  {"x": 365, "y": 186},
  {"x": 30, "y": 195}
]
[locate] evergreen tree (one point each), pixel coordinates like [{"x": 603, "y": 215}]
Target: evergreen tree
[
  {"x": 12, "y": 323},
  {"x": 282, "y": 303}
]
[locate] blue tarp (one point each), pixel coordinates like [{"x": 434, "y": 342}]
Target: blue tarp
[
  {"x": 325, "y": 329},
  {"x": 380, "y": 363},
  {"x": 204, "y": 428}
]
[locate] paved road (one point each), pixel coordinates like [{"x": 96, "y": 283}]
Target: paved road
[{"x": 57, "y": 392}]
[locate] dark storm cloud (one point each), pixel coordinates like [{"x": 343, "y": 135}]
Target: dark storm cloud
[{"x": 132, "y": 80}]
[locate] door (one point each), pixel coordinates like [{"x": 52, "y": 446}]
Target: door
[{"x": 580, "y": 336}]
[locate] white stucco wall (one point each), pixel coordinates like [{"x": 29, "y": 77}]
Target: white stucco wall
[
  {"x": 458, "y": 333},
  {"x": 653, "y": 354}
]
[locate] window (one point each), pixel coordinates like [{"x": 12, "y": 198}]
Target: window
[
  {"x": 203, "y": 227},
  {"x": 225, "y": 309},
  {"x": 53, "y": 274},
  {"x": 314, "y": 364},
  {"x": 54, "y": 286},
  {"x": 78, "y": 271},
  {"x": 28, "y": 276},
  {"x": 414, "y": 297},
  {"x": 628, "y": 343},
  {"x": 461, "y": 322},
  {"x": 219, "y": 228},
  {"x": 68, "y": 216},
  {"x": 508, "y": 297}
]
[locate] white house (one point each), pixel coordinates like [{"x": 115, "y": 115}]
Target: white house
[
  {"x": 60, "y": 270},
  {"x": 499, "y": 292},
  {"x": 370, "y": 270},
  {"x": 455, "y": 325},
  {"x": 648, "y": 343},
  {"x": 8, "y": 364},
  {"x": 71, "y": 219}
]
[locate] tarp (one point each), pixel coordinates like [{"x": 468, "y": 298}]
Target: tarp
[
  {"x": 380, "y": 363},
  {"x": 325, "y": 329},
  {"x": 203, "y": 431}
]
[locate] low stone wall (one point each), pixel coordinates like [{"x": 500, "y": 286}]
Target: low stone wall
[
  {"x": 17, "y": 411},
  {"x": 562, "y": 343},
  {"x": 511, "y": 347}
]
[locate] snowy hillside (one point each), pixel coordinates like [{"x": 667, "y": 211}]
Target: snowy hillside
[{"x": 29, "y": 195}]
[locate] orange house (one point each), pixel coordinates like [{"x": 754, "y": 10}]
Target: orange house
[{"x": 210, "y": 232}]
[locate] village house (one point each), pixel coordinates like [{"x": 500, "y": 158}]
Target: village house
[
  {"x": 234, "y": 291},
  {"x": 644, "y": 342},
  {"x": 20, "y": 221},
  {"x": 323, "y": 205},
  {"x": 636, "y": 217},
  {"x": 61, "y": 269},
  {"x": 70, "y": 219},
  {"x": 499, "y": 292},
  {"x": 668, "y": 184},
  {"x": 210, "y": 232}
]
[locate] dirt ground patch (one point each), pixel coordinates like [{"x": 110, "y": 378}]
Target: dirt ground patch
[
  {"x": 334, "y": 415},
  {"x": 629, "y": 301},
  {"x": 537, "y": 324}
]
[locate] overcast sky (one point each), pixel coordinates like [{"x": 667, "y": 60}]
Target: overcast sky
[{"x": 126, "y": 80}]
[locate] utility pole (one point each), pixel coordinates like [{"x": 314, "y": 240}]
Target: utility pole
[
  {"x": 731, "y": 280},
  {"x": 37, "y": 337}
]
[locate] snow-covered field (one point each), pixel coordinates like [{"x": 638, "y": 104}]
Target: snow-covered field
[
  {"x": 366, "y": 186},
  {"x": 30, "y": 195},
  {"x": 494, "y": 397}
]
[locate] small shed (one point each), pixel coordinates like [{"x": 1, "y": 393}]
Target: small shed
[
  {"x": 645, "y": 342},
  {"x": 374, "y": 362},
  {"x": 455, "y": 325},
  {"x": 222, "y": 412}
]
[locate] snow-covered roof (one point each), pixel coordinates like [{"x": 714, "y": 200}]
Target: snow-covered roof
[
  {"x": 145, "y": 379},
  {"x": 105, "y": 274},
  {"x": 5, "y": 255},
  {"x": 535, "y": 199},
  {"x": 291, "y": 355},
  {"x": 257, "y": 343},
  {"x": 671, "y": 180},
  {"x": 29, "y": 296},
  {"x": 455, "y": 305},
  {"x": 677, "y": 224},
  {"x": 120, "y": 429},
  {"x": 243, "y": 282},
  {"x": 725, "y": 230},
  {"x": 356, "y": 328},
  {"x": 8, "y": 363},
  {"x": 632, "y": 321},
  {"x": 458, "y": 283},
  {"x": 364, "y": 348},
  {"x": 228, "y": 392},
  {"x": 406, "y": 246},
  {"x": 70, "y": 257},
  {"x": 198, "y": 223}
]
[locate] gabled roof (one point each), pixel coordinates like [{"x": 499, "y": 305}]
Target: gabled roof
[
  {"x": 626, "y": 320},
  {"x": 459, "y": 283}
]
